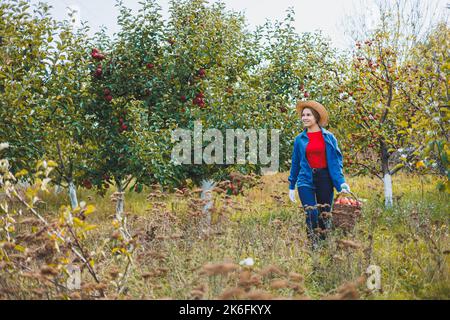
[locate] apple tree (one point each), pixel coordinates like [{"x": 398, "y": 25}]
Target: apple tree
[
  {"x": 426, "y": 89},
  {"x": 25, "y": 40},
  {"x": 384, "y": 134}
]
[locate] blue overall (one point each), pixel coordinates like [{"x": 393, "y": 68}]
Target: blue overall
[{"x": 316, "y": 185}]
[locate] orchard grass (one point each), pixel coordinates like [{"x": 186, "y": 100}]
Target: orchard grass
[{"x": 409, "y": 243}]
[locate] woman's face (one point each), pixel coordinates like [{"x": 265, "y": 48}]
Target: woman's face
[{"x": 308, "y": 118}]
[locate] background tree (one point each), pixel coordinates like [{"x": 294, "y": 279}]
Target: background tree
[
  {"x": 378, "y": 108},
  {"x": 69, "y": 131},
  {"x": 427, "y": 86},
  {"x": 125, "y": 78},
  {"x": 26, "y": 39},
  {"x": 43, "y": 91}
]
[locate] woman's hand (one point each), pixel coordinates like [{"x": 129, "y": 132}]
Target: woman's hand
[
  {"x": 345, "y": 188},
  {"x": 292, "y": 195}
]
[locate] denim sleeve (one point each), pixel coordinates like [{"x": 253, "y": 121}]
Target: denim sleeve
[
  {"x": 340, "y": 162},
  {"x": 295, "y": 166}
]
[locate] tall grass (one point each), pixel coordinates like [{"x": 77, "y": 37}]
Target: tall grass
[{"x": 178, "y": 256}]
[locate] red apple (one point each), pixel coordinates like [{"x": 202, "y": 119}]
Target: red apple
[
  {"x": 201, "y": 73},
  {"x": 306, "y": 94},
  {"x": 98, "y": 73},
  {"x": 150, "y": 65},
  {"x": 108, "y": 98},
  {"x": 94, "y": 53},
  {"x": 97, "y": 55},
  {"x": 87, "y": 184},
  {"x": 198, "y": 100},
  {"x": 107, "y": 91}
]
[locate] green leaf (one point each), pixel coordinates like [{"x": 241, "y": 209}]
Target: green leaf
[
  {"x": 89, "y": 209},
  {"x": 90, "y": 227},
  {"x": 21, "y": 173},
  {"x": 19, "y": 248},
  {"x": 398, "y": 166}
]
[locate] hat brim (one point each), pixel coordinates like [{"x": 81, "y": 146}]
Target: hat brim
[{"x": 316, "y": 106}]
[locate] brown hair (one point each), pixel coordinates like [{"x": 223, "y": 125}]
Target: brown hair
[{"x": 315, "y": 114}]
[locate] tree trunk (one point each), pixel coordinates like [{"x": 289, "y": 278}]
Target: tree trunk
[
  {"x": 387, "y": 190},
  {"x": 120, "y": 205},
  {"x": 58, "y": 189},
  {"x": 387, "y": 181},
  {"x": 73, "y": 195},
  {"x": 120, "y": 202},
  {"x": 207, "y": 186}
]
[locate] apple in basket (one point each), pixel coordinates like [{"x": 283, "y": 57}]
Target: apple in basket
[
  {"x": 348, "y": 201},
  {"x": 339, "y": 201}
]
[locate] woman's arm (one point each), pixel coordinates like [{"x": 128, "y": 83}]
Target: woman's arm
[
  {"x": 295, "y": 165},
  {"x": 341, "y": 178},
  {"x": 339, "y": 153}
]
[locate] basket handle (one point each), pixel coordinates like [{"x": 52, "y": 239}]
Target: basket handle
[{"x": 346, "y": 193}]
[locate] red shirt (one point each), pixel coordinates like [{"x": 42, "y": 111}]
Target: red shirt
[{"x": 315, "y": 150}]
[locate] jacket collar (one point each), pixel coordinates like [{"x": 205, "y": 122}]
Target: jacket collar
[{"x": 325, "y": 134}]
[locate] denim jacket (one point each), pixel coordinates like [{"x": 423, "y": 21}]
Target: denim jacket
[{"x": 301, "y": 172}]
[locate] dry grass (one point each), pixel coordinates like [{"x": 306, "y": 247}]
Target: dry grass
[{"x": 178, "y": 256}]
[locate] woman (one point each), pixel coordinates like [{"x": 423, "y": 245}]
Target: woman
[{"x": 316, "y": 168}]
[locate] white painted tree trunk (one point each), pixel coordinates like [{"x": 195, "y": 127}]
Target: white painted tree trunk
[
  {"x": 120, "y": 204},
  {"x": 23, "y": 184},
  {"x": 387, "y": 190},
  {"x": 58, "y": 189},
  {"x": 207, "y": 187},
  {"x": 73, "y": 195},
  {"x": 119, "y": 216}
]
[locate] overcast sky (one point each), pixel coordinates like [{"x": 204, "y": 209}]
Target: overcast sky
[{"x": 310, "y": 15}]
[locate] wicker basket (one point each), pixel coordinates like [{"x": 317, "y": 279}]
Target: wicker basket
[{"x": 345, "y": 215}]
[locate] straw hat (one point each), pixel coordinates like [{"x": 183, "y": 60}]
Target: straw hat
[{"x": 316, "y": 106}]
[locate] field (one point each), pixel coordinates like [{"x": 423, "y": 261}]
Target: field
[{"x": 176, "y": 256}]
